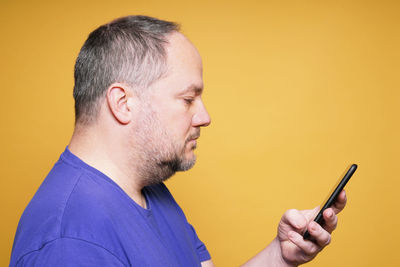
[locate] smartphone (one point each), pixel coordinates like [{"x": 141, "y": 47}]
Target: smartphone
[{"x": 332, "y": 198}]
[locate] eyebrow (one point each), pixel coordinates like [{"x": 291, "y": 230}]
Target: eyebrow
[{"x": 195, "y": 88}]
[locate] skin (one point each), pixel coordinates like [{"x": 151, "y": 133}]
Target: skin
[
  {"x": 132, "y": 129},
  {"x": 171, "y": 110},
  {"x": 175, "y": 101},
  {"x": 289, "y": 248}
]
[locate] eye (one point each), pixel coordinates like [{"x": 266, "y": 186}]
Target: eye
[{"x": 188, "y": 101}]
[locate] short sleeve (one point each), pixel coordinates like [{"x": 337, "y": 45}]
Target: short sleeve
[
  {"x": 201, "y": 249},
  {"x": 68, "y": 252}
]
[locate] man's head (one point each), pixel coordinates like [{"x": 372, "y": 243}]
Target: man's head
[
  {"x": 170, "y": 122},
  {"x": 127, "y": 50},
  {"x": 154, "y": 110}
]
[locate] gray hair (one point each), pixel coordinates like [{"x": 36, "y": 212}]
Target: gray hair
[{"x": 127, "y": 50}]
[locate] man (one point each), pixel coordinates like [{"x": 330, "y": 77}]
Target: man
[{"x": 138, "y": 107}]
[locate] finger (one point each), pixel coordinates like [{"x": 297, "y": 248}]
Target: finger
[
  {"x": 295, "y": 219},
  {"x": 306, "y": 246},
  {"x": 330, "y": 219},
  {"x": 340, "y": 202},
  {"x": 319, "y": 234},
  {"x": 310, "y": 214}
]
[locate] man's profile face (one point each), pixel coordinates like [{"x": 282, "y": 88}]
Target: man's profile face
[{"x": 174, "y": 111}]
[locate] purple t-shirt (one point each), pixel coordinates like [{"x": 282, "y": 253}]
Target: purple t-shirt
[{"x": 80, "y": 217}]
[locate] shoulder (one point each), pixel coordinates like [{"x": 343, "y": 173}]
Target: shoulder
[
  {"x": 70, "y": 203},
  {"x": 93, "y": 207},
  {"x": 40, "y": 221}
]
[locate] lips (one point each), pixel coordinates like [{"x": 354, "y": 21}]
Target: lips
[
  {"x": 195, "y": 135},
  {"x": 192, "y": 139}
]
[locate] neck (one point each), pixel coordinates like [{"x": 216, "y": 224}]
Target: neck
[{"x": 104, "y": 151}]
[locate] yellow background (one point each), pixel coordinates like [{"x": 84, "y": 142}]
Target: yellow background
[{"x": 297, "y": 91}]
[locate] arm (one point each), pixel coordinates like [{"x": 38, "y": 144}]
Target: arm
[
  {"x": 208, "y": 263},
  {"x": 289, "y": 248}
]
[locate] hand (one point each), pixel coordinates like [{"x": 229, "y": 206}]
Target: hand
[{"x": 295, "y": 250}]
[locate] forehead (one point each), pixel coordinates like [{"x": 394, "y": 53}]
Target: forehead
[{"x": 185, "y": 69}]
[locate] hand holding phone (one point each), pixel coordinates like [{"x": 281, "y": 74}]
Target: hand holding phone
[{"x": 332, "y": 198}]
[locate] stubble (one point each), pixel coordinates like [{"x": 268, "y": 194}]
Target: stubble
[{"x": 157, "y": 155}]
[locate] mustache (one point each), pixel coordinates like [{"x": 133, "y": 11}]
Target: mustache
[{"x": 194, "y": 135}]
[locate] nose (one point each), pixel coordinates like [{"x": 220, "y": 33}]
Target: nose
[{"x": 201, "y": 118}]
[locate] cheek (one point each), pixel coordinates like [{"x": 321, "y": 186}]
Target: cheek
[
  {"x": 176, "y": 118},
  {"x": 180, "y": 125}
]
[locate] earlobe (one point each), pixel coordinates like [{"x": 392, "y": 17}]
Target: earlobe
[{"x": 119, "y": 103}]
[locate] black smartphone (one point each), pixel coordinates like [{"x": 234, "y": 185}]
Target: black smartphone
[{"x": 332, "y": 198}]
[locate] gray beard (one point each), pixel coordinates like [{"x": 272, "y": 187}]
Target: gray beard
[
  {"x": 157, "y": 157},
  {"x": 156, "y": 169}
]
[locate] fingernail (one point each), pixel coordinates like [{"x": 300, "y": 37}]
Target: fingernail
[{"x": 330, "y": 214}]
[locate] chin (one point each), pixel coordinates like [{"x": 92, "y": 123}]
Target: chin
[{"x": 188, "y": 163}]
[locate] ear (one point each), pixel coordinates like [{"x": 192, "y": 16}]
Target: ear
[{"x": 117, "y": 98}]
